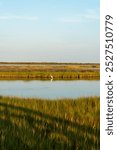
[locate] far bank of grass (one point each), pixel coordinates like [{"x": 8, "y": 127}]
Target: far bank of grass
[
  {"x": 45, "y": 70},
  {"x": 62, "y": 124},
  {"x": 46, "y": 75}
]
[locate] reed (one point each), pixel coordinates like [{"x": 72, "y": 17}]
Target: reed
[
  {"x": 46, "y": 75},
  {"x": 43, "y": 71},
  {"x": 61, "y": 124}
]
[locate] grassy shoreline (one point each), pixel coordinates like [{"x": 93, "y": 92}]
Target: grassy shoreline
[
  {"x": 43, "y": 71},
  {"x": 44, "y": 124},
  {"x": 46, "y": 75}
]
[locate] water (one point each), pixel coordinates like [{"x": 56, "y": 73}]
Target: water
[{"x": 48, "y": 89}]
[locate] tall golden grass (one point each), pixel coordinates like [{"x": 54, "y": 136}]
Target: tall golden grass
[
  {"x": 36, "y": 124},
  {"x": 43, "y": 71}
]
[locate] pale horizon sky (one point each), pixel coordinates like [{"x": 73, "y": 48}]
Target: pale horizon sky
[{"x": 49, "y": 31}]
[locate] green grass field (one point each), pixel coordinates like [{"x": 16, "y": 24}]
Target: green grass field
[
  {"x": 35, "y": 124},
  {"x": 44, "y": 70}
]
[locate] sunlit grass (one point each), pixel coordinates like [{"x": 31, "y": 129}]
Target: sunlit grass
[
  {"x": 46, "y": 75},
  {"x": 43, "y": 71},
  {"x": 38, "y": 124}
]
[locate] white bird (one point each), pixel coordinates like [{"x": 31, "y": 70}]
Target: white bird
[{"x": 51, "y": 77}]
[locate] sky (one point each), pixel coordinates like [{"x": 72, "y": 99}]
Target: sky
[{"x": 49, "y": 30}]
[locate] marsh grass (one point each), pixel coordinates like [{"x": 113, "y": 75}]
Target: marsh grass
[
  {"x": 46, "y": 75},
  {"x": 36, "y": 124},
  {"x": 43, "y": 71}
]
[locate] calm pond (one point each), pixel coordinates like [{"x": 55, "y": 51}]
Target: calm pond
[{"x": 50, "y": 89}]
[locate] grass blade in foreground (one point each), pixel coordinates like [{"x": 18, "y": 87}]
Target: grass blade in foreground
[{"x": 66, "y": 124}]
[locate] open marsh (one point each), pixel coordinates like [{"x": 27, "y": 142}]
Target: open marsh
[
  {"x": 59, "y": 114},
  {"x": 44, "y": 70}
]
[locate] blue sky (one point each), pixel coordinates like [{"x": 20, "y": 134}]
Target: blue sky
[{"x": 49, "y": 30}]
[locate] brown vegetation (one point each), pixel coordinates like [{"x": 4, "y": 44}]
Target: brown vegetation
[{"x": 43, "y": 70}]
